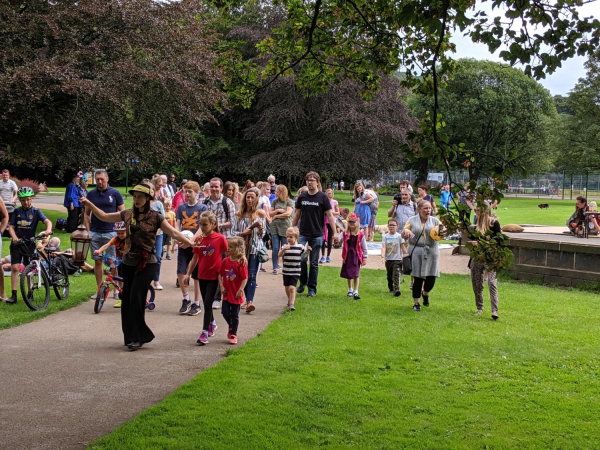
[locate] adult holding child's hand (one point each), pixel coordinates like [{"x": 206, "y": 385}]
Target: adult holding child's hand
[
  {"x": 139, "y": 259},
  {"x": 422, "y": 232}
]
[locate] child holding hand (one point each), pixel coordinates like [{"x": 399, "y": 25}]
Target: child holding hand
[
  {"x": 354, "y": 255},
  {"x": 392, "y": 248},
  {"x": 208, "y": 253},
  {"x": 233, "y": 276}
]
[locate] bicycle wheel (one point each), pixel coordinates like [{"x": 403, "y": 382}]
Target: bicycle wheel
[
  {"x": 101, "y": 296},
  {"x": 35, "y": 290},
  {"x": 60, "y": 281},
  {"x": 150, "y": 296}
]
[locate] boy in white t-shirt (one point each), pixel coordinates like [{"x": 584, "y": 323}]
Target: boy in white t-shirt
[{"x": 391, "y": 253}]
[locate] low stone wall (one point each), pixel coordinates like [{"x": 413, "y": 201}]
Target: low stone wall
[{"x": 555, "y": 259}]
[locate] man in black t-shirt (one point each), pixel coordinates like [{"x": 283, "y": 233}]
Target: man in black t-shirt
[{"x": 311, "y": 208}]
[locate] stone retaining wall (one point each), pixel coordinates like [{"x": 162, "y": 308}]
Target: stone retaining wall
[{"x": 555, "y": 259}]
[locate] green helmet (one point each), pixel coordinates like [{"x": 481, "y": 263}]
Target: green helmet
[{"x": 26, "y": 191}]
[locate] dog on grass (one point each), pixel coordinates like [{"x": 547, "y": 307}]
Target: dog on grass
[
  {"x": 381, "y": 229},
  {"x": 543, "y": 206}
]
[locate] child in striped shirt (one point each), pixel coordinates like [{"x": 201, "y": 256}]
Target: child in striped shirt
[{"x": 291, "y": 255}]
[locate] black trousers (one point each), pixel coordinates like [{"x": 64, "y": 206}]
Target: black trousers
[
  {"x": 208, "y": 289},
  {"x": 133, "y": 303},
  {"x": 231, "y": 314},
  {"x": 393, "y": 268},
  {"x": 422, "y": 284},
  {"x": 72, "y": 219}
]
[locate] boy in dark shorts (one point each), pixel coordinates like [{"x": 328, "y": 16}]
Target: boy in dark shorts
[
  {"x": 188, "y": 219},
  {"x": 291, "y": 255},
  {"x": 23, "y": 225}
]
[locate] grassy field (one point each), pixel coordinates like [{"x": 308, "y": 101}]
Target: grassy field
[
  {"x": 375, "y": 374},
  {"x": 510, "y": 210}
]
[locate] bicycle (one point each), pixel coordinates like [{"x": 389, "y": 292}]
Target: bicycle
[
  {"x": 112, "y": 262},
  {"x": 41, "y": 273}
]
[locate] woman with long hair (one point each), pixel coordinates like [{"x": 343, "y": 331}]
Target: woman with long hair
[
  {"x": 139, "y": 259},
  {"x": 361, "y": 207},
  {"x": 485, "y": 222},
  {"x": 229, "y": 191},
  {"x": 250, "y": 224},
  {"x": 282, "y": 209}
]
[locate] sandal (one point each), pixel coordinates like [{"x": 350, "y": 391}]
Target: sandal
[{"x": 244, "y": 305}]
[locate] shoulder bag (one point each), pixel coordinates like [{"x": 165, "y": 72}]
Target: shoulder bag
[{"x": 407, "y": 262}]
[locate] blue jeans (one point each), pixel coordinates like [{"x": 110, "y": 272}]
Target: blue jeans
[
  {"x": 307, "y": 279},
  {"x": 251, "y": 284},
  {"x": 158, "y": 249},
  {"x": 277, "y": 242}
]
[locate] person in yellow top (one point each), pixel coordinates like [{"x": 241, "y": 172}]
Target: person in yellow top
[
  {"x": 171, "y": 219},
  {"x": 423, "y": 232}
]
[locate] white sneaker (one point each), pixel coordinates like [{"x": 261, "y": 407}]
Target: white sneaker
[
  {"x": 216, "y": 304},
  {"x": 93, "y": 296},
  {"x": 157, "y": 286},
  {"x": 116, "y": 294}
]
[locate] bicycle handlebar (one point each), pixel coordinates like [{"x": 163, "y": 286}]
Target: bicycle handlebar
[{"x": 39, "y": 237}]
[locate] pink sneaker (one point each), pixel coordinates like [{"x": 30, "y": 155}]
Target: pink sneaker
[
  {"x": 211, "y": 330},
  {"x": 203, "y": 339},
  {"x": 233, "y": 339},
  {"x": 229, "y": 333}
]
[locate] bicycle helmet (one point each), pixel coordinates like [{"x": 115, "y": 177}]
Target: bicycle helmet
[
  {"x": 120, "y": 226},
  {"x": 61, "y": 224},
  {"x": 25, "y": 191}
]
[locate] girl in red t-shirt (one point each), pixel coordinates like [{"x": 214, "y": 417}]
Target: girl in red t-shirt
[
  {"x": 208, "y": 254},
  {"x": 233, "y": 276}
]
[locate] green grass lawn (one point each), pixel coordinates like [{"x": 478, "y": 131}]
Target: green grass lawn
[
  {"x": 375, "y": 374},
  {"x": 510, "y": 210}
]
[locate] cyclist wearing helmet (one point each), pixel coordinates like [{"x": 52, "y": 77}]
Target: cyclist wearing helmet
[{"x": 23, "y": 225}]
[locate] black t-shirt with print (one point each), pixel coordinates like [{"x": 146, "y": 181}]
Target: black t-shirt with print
[{"x": 313, "y": 209}]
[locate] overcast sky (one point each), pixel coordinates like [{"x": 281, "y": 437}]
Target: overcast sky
[{"x": 560, "y": 82}]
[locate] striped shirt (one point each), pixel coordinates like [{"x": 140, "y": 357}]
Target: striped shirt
[
  {"x": 222, "y": 216},
  {"x": 240, "y": 224},
  {"x": 291, "y": 260}
]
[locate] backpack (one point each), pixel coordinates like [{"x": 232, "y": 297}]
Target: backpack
[{"x": 223, "y": 204}]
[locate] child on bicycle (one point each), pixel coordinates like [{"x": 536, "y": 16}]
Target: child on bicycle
[
  {"x": 119, "y": 243},
  {"x": 23, "y": 225},
  {"x": 233, "y": 276}
]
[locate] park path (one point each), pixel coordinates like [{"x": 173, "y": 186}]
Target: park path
[{"x": 67, "y": 379}]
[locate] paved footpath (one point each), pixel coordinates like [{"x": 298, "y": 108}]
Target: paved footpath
[{"x": 67, "y": 379}]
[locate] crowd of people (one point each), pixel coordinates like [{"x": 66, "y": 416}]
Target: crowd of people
[{"x": 221, "y": 235}]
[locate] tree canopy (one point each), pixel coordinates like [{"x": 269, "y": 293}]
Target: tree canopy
[
  {"x": 498, "y": 113},
  {"x": 579, "y": 137},
  {"x": 96, "y": 80}
]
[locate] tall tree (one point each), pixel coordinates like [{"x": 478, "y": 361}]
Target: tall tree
[
  {"x": 579, "y": 141},
  {"x": 89, "y": 82},
  {"x": 498, "y": 113}
]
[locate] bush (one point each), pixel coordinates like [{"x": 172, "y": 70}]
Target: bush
[{"x": 26, "y": 182}]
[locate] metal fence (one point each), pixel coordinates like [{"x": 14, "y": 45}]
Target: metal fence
[{"x": 557, "y": 185}]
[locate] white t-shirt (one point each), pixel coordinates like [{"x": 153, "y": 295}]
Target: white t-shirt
[
  {"x": 264, "y": 200},
  {"x": 7, "y": 191},
  {"x": 393, "y": 249}
]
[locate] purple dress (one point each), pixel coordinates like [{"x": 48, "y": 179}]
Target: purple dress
[{"x": 351, "y": 267}]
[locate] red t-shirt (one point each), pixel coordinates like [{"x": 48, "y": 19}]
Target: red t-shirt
[
  {"x": 233, "y": 273},
  {"x": 210, "y": 251},
  {"x": 119, "y": 246}
]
